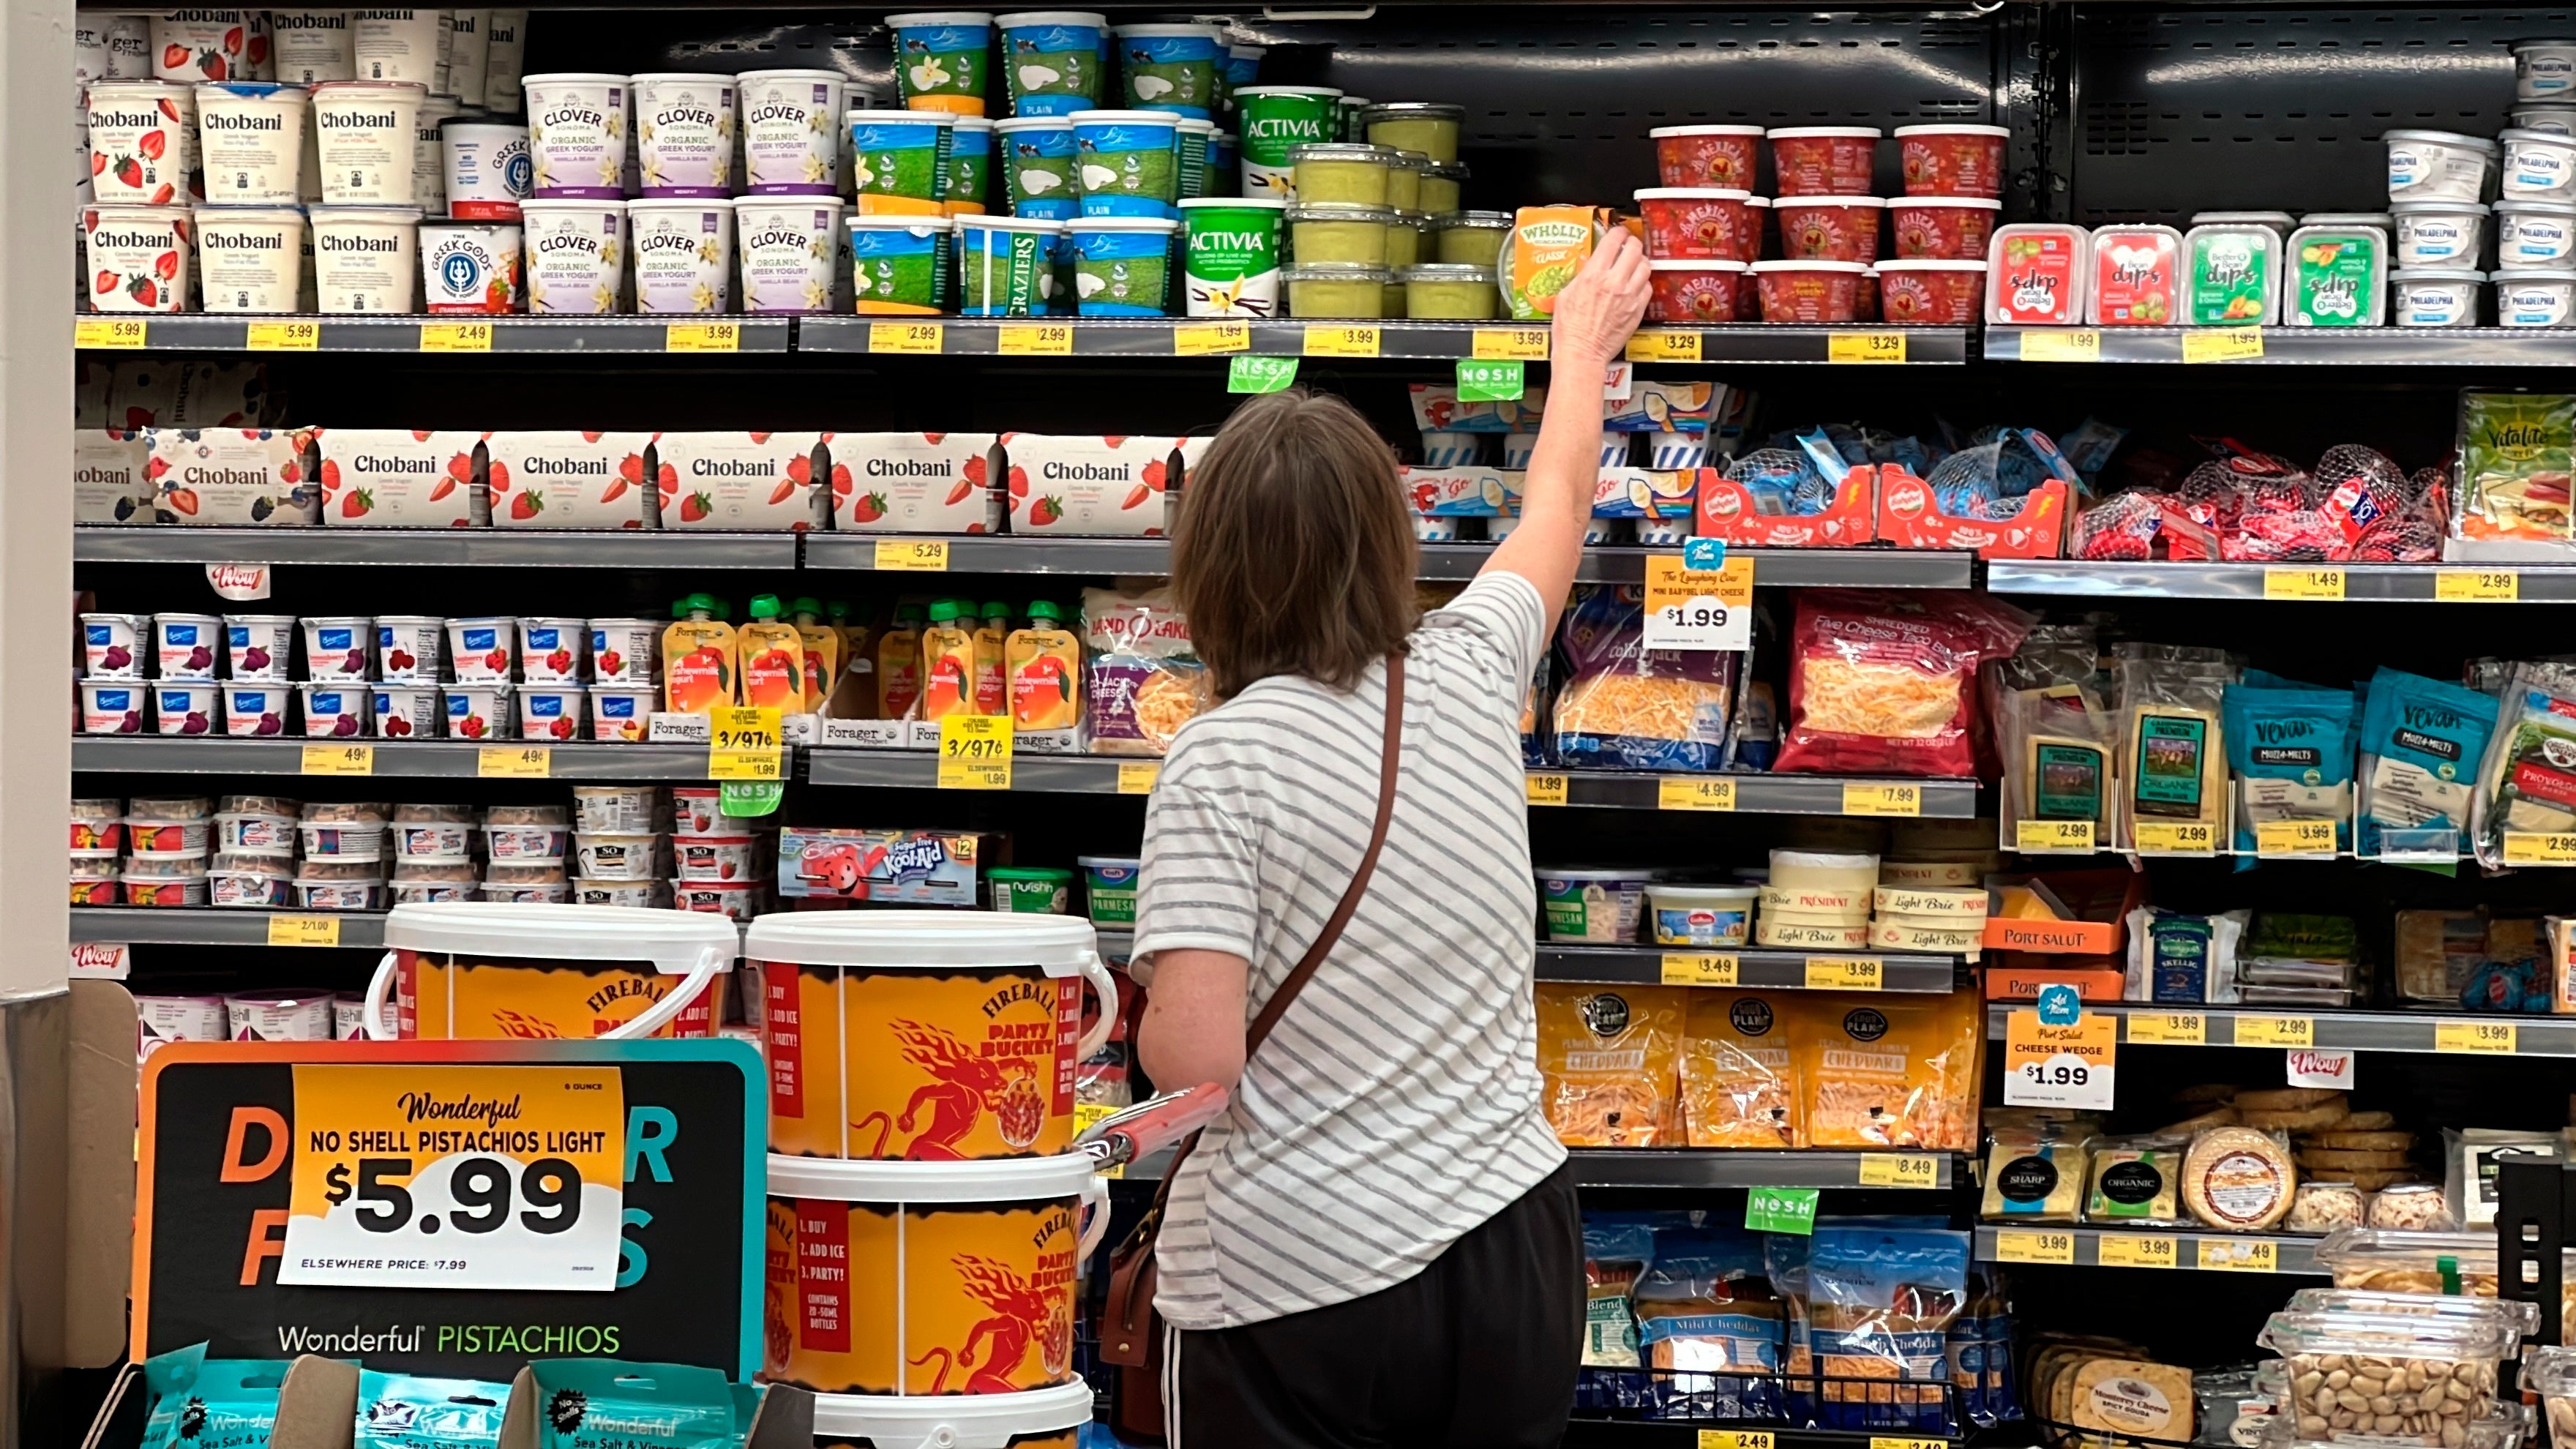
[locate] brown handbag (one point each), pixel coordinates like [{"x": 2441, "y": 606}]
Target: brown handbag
[{"x": 1131, "y": 1332}]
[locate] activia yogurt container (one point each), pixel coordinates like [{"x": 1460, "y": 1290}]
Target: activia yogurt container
[
  {"x": 577, "y": 130},
  {"x": 684, "y": 133},
  {"x": 1274, "y": 118},
  {"x": 683, "y": 249},
  {"x": 363, "y": 258},
  {"x": 574, "y": 253},
  {"x": 2438, "y": 165},
  {"x": 363, "y": 133},
  {"x": 791, "y": 136},
  {"x": 250, "y": 141},
  {"x": 786, "y": 245},
  {"x": 1005, "y": 265},
  {"x": 470, "y": 266},
  {"x": 898, "y": 268},
  {"x": 486, "y": 168},
  {"x": 1232, "y": 250},
  {"x": 1051, "y": 60},
  {"x": 1035, "y": 155},
  {"x": 900, "y": 154},
  {"x": 942, "y": 58},
  {"x": 1122, "y": 265},
  {"x": 1171, "y": 67},
  {"x": 251, "y": 258},
  {"x": 2535, "y": 298},
  {"x": 2436, "y": 296}
]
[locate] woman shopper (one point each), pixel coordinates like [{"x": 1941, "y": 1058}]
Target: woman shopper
[{"x": 1378, "y": 1243}]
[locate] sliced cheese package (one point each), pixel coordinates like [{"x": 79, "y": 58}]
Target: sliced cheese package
[
  {"x": 2290, "y": 747},
  {"x": 2173, "y": 739},
  {"x": 2035, "y": 1174}
]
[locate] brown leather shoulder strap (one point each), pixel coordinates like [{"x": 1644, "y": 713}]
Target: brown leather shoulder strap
[{"x": 1388, "y": 761}]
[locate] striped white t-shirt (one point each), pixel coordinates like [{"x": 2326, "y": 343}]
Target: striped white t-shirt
[{"x": 1395, "y": 1106}]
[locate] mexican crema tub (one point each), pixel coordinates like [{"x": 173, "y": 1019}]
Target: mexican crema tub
[
  {"x": 925, "y": 1278},
  {"x": 1038, "y": 1419},
  {"x": 924, "y": 1035},
  {"x": 484, "y": 970}
]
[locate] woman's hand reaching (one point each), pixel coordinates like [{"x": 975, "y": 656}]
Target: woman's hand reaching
[{"x": 1602, "y": 305}]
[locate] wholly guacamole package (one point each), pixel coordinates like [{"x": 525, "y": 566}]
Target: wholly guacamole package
[
  {"x": 2421, "y": 742},
  {"x": 400, "y": 1411},
  {"x": 2290, "y": 746},
  {"x": 202, "y": 1403},
  {"x": 586, "y": 1403}
]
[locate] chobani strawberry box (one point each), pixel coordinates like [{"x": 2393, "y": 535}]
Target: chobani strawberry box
[
  {"x": 400, "y": 478},
  {"x": 761, "y": 482},
  {"x": 232, "y": 477},
  {"x": 568, "y": 479},
  {"x": 1114, "y": 486},
  {"x": 914, "y": 482},
  {"x": 108, "y": 484}
]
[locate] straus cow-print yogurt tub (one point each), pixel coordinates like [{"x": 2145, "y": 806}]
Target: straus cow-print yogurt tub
[
  {"x": 575, "y": 254},
  {"x": 138, "y": 257}
]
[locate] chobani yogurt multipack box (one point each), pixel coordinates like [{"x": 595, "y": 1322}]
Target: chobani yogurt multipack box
[
  {"x": 400, "y": 478},
  {"x": 757, "y": 482},
  {"x": 914, "y": 482},
  {"x": 232, "y": 477},
  {"x": 568, "y": 479},
  {"x": 108, "y": 482},
  {"x": 1117, "y": 486}
]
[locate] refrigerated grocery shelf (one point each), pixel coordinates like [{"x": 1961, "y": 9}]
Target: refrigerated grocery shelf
[
  {"x": 209, "y": 926},
  {"x": 2326, "y": 583},
  {"x": 1583, "y": 1433},
  {"x": 226, "y": 332},
  {"x": 1686, "y": 1167},
  {"x": 402, "y": 759},
  {"x": 498, "y": 547},
  {"x": 1755, "y": 968},
  {"x": 2310, "y": 346},
  {"x": 2150, "y": 1248},
  {"x": 1043, "y": 338},
  {"x": 2326, "y": 1028}
]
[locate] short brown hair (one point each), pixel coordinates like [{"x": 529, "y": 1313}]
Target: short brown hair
[{"x": 1294, "y": 553}]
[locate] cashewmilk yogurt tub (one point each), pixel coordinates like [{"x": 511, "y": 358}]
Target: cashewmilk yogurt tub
[
  {"x": 791, "y": 130},
  {"x": 363, "y": 258},
  {"x": 250, "y": 259},
  {"x": 364, "y": 132},
  {"x": 141, "y": 141},
  {"x": 470, "y": 266},
  {"x": 250, "y": 142},
  {"x": 577, "y": 127},
  {"x": 787, "y": 245},
  {"x": 398, "y": 45},
  {"x": 312, "y": 46},
  {"x": 138, "y": 257},
  {"x": 575, "y": 255},
  {"x": 684, "y": 125},
  {"x": 484, "y": 165},
  {"x": 683, "y": 249}
]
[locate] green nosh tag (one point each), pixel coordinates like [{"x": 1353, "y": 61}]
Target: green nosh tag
[
  {"x": 1781, "y": 1210},
  {"x": 750, "y": 797},
  {"x": 1488, "y": 381},
  {"x": 1247, "y": 373}
]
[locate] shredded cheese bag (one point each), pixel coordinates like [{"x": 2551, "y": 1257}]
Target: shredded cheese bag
[
  {"x": 1737, "y": 1084},
  {"x": 1880, "y": 1072},
  {"x": 1606, "y": 1059},
  {"x": 1883, "y": 683},
  {"x": 1625, "y": 707}
]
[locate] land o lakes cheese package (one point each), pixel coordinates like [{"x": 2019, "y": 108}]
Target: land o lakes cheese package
[
  {"x": 914, "y": 482},
  {"x": 568, "y": 479},
  {"x": 1116, "y": 486},
  {"x": 400, "y": 478},
  {"x": 756, "y": 482},
  {"x": 232, "y": 477}
]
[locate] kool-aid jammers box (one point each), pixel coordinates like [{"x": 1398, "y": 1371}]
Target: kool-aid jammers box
[
  {"x": 232, "y": 477},
  {"x": 568, "y": 479},
  {"x": 914, "y": 482},
  {"x": 756, "y": 482},
  {"x": 892, "y": 867},
  {"x": 108, "y": 485},
  {"x": 400, "y": 478},
  {"x": 1117, "y": 486}
]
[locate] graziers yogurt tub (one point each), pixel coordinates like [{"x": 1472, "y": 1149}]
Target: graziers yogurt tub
[
  {"x": 250, "y": 259},
  {"x": 486, "y": 971},
  {"x": 872, "y": 1013},
  {"x": 573, "y": 254},
  {"x": 1034, "y": 1419},
  {"x": 363, "y": 258},
  {"x": 251, "y": 141}
]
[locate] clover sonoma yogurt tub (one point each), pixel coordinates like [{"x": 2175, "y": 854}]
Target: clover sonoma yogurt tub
[
  {"x": 577, "y": 128},
  {"x": 574, "y": 255},
  {"x": 683, "y": 250},
  {"x": 791, "y": 136},
  {"x": 787, "y": 245},
  {"x": 684, "y": 133},
  {"x": 250, "y": 259},
  {"x": 250, "y": 142},
  {"x": 364, "y": 258},
  {"x": 364, "y": 134}
]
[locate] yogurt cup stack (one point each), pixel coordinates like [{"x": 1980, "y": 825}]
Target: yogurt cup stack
[
  {"x": 257, "y": 842},
  {"x": 346, "y": 851},
  {"x": 718, "y": 862},
  {"x": 168, "y": 843},
  {"x": 98, "y": 846},
  {"x": 524, "y": 849}
]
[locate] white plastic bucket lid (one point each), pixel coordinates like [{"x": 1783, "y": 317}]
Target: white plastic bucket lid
[
  {"x": 1000, "y": 1179},
  {"x": 951, "y": 1421},
  {"x": 1058, "y": 945},
  {"x": 676, "y": 942}
]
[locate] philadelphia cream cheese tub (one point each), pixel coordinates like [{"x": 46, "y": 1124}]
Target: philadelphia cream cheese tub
[{"x": 483, "y": 970}]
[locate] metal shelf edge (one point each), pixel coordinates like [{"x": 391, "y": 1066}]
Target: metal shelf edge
[
  {"x": 1708, "y": 1167},
  {"x": 2292, "y": 1254},
  {"x": 559, "y": 548}
]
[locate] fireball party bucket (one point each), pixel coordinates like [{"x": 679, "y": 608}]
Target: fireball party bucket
[
  {"x": 924, "y": 1035},
  {"x": 927, "y": 1278},
  {"x": 486, "y": 969},
  {"x": 1039, "y": 1419}
]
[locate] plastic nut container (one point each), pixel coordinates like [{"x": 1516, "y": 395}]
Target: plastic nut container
[
  {"x": 2337, "y": 277},
  {"x": 1470, "y": 238},
  {"x": 1338, "y": 233},
  {"x": 1452, "y": 291},
  {"x": 2550, "y": 1370},
  {"x": 1325, "y": 290},
  {"x": 1336, "y": 173},
  {"x": 1424, "y": 126},
  {"x": 2407, "y": 1380}
]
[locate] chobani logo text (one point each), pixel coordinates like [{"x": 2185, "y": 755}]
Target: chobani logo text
[
  {"x": 339, "y": 120},
  {"x": 217, "y": 239},
  {"x": 255, "y": 121},
  {"x": 333, "y": 241},
  {"x": 131, "y": 240},
  {"x": 909, "y": 468},
  {"x": 391, "y": 463},
  {"x": 308, "y": 20},
  {"x": 732, "y": 468},
  {"x": 1085, "y": 473},
  {"x": 113, "y": 119},
  {"x": 540, "y": 465},
  {"x": 196, "y": 476}
]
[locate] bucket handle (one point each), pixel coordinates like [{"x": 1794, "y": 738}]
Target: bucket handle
[
  {"x": 675, "y": 1000},
  {"x": 1095, "y": 1200},
  {"x": 1096, "y": 971},
  {"x": 377, "y": 985}
]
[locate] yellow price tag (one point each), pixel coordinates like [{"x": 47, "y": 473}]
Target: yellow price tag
[
  {"x": 283, "y": 337},
  {"x": 456, "y": 337},
  {"x": 2293, "y": 839},
  {"x": 1877, "y": 1442},
  {"x": 1547, "y": 789},
  {"x": 975, "y": 752},
  {"x": 1050, "y": 339},
  {"x": 2169, "y": 837},
  {"x": 1899, "y": 1169},
  {"x": 124, "y": 333},
  {"x": 1866, "y": 799},
  {"x": 702, "y": 337},
  {"x": 2239, "y": 1255},
  {"x": 745, "y": 744},
  {"x": 1340, "y": 341},
  {"x": 2276, "y": 1031},
  {"x": 1510, "y": 344},
  {"x": 2061, "y": 344},
  {"x": 1694, "y": 792},
  {"x": 1206, "y": 339},
  {"x": 2222, "y": 344},
  {"x": 2477, "y": 586},
  {"x": 922, "y": 337},
  {"x": 1865, "y": 347},
  {"x": 2131, "y": 1250},
  {"x": 304, "y": 930},
  {"x": 1845, "y": 973},
  {"x": 912, "y": 555},
  {"x": 515, "y": 762},
  {"x": 2477, "y": 1038},
  {"x": 1737, "y": 1439},
  {"x": 1087, "y": 1115},
  {"x": 339, "y": 759},
  {"x": 1699, "y": 968},
  {"x": 2053, "y": 836},
  {"x": 1654, "y": 346},
  {"x": 2528, "y": 847},
  {"x": 2171, "y": 1028},
  {"x": 2308, "y": 584},
  {"x": 2033, "y": 1248},
  {"x": 1137, "y": 777}
]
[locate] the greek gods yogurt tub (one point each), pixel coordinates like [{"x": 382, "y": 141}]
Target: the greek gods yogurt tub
[
  {"x": 364, "y": 133},
  {"x": 2539, "y": 166},
  {"x": 429, "y": 155},
  {"x": 791, "y": 129},
  {"x": 484, "y": 165},
  {"x": 787, "y": 244},
  {"x": 312, "y": 46},
  {"x": 575, "y": 253},
  {"x": 2438, "y": 233},
  {"x": 2438, "y": 165},
  {"x": 684, "y": 125},
  {"x": 138, "y": 257},
  {"x": 683, "y": 252},
  {"x": 250, "y": 259},
  {"x": 363, "y": 258},
  {"x": 399, "y": 45},
  {"x": 577, "y": 124},
  {"x": 2544, "y": 69},
  {"x": 2535, "y": 233},
  {"x": 470, "y": 266},
  {"x": 142, "y": 139},
  {"x": 2436, "y": 297},
  {"x": 251, "y": 142},
  {"x": 2535, "y": 298}
]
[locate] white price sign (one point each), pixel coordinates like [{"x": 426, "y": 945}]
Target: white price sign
[
  {"x": 2065, "y": 1080},
  {"x": 1698, "y": 609}
]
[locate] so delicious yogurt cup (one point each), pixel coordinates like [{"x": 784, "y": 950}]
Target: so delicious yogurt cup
[
  {"x": 363, "y": 258},
  {"x": 470, "y": 266},
  {"x": 683, "y": 249},
  {"x": 251, "y": 258},
  {"x": 364, "y": 134},
  {"x": 574, "y": 253}
]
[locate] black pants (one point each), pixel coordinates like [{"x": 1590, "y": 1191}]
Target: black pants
[{"x": 1477, "y": 1351}]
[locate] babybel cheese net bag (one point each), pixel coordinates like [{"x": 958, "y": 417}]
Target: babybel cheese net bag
[
  {"x": 1606, "y": 1059},
  {"x": 1884, "y": 1073},
  {"x": 1882, "y": 684},
  {"x": 1737, "y": 1088}
]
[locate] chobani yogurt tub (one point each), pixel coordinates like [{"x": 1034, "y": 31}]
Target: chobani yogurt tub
[
  {"x": 363, "y": 258},
  {"x": 786, "y": 245},
  {"x": 1592, "y": 905},
  {"x": 684, "y": 133},
  {"x": 137, "y": 259},
  {"x": 790, "y": 130},
  {"x": 470, "y": 266},
  {"x": 574, "y": 254},
  {"x": 250, "y": 259},
  {"x": 141, "y": 140},
  {"x": 251, "y": 140},
  {"x": 577, "y": 124},
  {"x": 683, "y": 250},
  {"x": 364, "y": 132}
]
